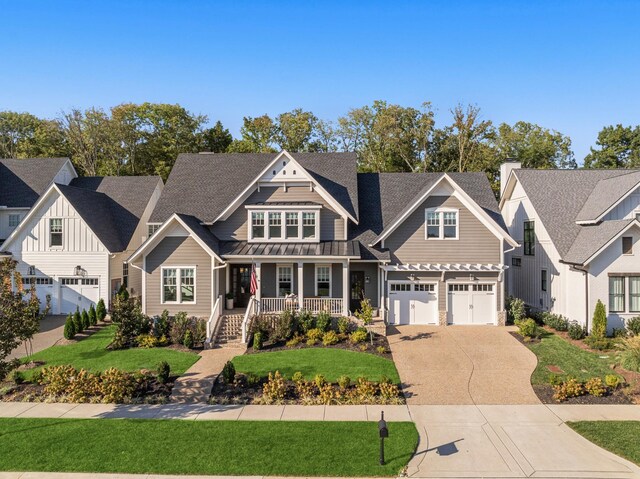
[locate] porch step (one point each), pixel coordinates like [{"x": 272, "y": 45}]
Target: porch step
[{"x": 229, "y": 334}]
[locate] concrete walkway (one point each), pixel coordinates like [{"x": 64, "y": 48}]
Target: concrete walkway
[
  {"x": 51, "y": 331},
  {"x": 194, "y": 386},
  {"x": 462, "y": 365}
]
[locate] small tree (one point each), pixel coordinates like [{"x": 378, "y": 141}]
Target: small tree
[
  {"x": 69, "y": 328},
  {"x": 101, "y": 310},
  {"x": 86, "y": 324},
  {"x": 77, "y": 321},
  {"x": 127, "y": 315},
  {"x": 365, "y": 314},
  {"x": 93, "y": 319},
  {"x": 599, "y": 326}
]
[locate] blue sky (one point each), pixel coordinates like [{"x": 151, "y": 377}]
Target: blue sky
[{"x": 568, "y": 65}]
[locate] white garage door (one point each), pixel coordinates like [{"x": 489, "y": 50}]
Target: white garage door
[
  {"x": 471, "y": 303},
  {"x": 411, "y": 303},
  {"x": 44, "y": 287},
  {"x": 78, "y": 293}
]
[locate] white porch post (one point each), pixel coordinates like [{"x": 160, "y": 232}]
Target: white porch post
[
  {"x": 345, "y": 288},
  {"x": 300, "y": 284},
  {"x": 258, "y": 279}
]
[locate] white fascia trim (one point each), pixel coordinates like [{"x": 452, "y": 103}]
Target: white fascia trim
[
  {"x": 281, "y": 207},
  {"x": 33, "y": 213},
  {"x": 622, "y": 198},
  {"x": 249, "y": 189},
  {"x": 508, "y": 189},
  {"x": 155, "y": 238},
  {"x": 608, "y": 243}
]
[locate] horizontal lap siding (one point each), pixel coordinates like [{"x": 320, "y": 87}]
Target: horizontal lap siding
[
  {"x": 235, "y": 227},
  {"x": 178, "y": 251},
  {"x": 371, "y": 288}
]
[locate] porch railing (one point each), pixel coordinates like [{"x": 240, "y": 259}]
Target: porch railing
[
  {"x": 213, "y": 319},
  {"x": 253, "y": 308},
  {"x": 314, "y": 305}
]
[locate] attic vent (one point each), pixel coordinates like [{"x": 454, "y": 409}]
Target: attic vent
[
  {"x": 284, "y": 163},
  {"x": 284, "y": 172},
  {"x": 274, "y": 172},
  {"x": 294, "y": 172}
]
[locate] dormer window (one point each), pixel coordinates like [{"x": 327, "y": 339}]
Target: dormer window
[
  {"x": 292, "y": 225},
  {"x": 275, "y": 225},
  {"x": 257, "y": 225},
  {"x": 309, "y": 225},
  {"x": 441, "y": 224}
]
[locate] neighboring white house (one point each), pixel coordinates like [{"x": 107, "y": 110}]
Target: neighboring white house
[
  {"x": 21, "y": 184},
  {"x": 73, "y": 242},
  {"x": 578, "y": 232}
]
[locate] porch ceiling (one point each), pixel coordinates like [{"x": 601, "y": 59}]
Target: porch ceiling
[{"x": 346, "y": 249}]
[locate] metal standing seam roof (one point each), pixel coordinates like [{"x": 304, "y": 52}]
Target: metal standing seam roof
[
  {"x": 347, "y": 249},
  {"x": 23, "y": 181},
  {"x": 204, "y": 184}
]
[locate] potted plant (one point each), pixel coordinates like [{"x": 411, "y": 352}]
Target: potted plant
[{"x": 229, "y": 297}]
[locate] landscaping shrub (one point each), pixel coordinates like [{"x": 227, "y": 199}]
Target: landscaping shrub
[
  {"x": 274, "y": 390},
  {"x": 630, "y": 355},
  {"x": 86, "y": 324},
  {"x": 555, "y": 321},
  {"x": 323, "y": 321},
  {"x": 528, "y": 329},
  {"x": 253, "y": 380},
  {"x": 69, "y": 328},
  {"x": 229, "y": 372},
  {"x": 595, "y": 387},
  {"x": 16, "y": 377},
  {"x": 131, "y": 322},
  {"x": 93, "y": 318},
  {"x": 257, "y": 341},
  {"x": 315, "y": 334},
  {"x": 599, "y": 344},
  {"x": 188, "y": 339},
  {"x": 163, "y": 372},
  {"x": 576, "y": 331},
  {"x": 297, "y": 377},
  {"x": 179, "y": 327},
  {"x": 344, "y": 381},
  {"x": 306, "y": 321},
  {"x": 284, "y": 326},
  {"x": 515, "y": 309},
  {"x": 161, "y": 325},
  {"x": 381, "y": 350},
  {"x": 365, "y": 389},
  {"x": 344, "y": 325},
  {"x": 599, "y": 325},
  {"x": 568, "y": 389},
  {"x": 612, "y": 381},
  {"x": 365, "y": 314},
  {"x": 328, "y": 395},
  {"x": 101, "y": 310},
  {"x": 116, "y": 386},
  {"x": 330, "y": 338},
  {"x": 388, "y": 390},
  {"x": 358, "y": 336},
  {"x": 77, "y": 322},
  {"x": 294, "y": 341},
  {"x": 633, "y": 325},
  {"x": 147, "y": 341},
  {"x": 619, "y": 333},
  {"x": 555, "y": 379}
]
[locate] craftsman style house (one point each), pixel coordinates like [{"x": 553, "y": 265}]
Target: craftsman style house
[
  {"x": 313, "y": 234},
  {"x": 74, "y": 233},
  {"x": 578, "y": 230}
]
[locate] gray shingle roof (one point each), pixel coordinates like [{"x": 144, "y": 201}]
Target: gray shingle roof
[
  {"x": 324, "y": 248},
  {"x": 201, "y": 232},
  {"x": 591, "y": 238},
  {"x": 204, "y": 184},
  {"x": 558, "y": 196},
  {"x": 111, "y": 206},
  {"x": 607, "y": 193},
  {"x": 23, "y": 181}
]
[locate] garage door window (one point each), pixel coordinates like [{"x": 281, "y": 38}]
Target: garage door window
[
  {"x": 483, "y": 287},
  {"x": 37, "y": 280},
  {"x": 458, "y": 287},
  {"x": 395, "y": 287},
  {"x": 425, "y": 287}
]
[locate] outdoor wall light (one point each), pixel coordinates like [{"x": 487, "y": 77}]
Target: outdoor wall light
[
  {"x": 412, "y": 277},
  {"x": 78, "y": 270}
]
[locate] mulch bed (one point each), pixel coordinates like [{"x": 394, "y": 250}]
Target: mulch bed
[
  {"x": 378, "y": 340},
  {"x": 545, "y": 394}
]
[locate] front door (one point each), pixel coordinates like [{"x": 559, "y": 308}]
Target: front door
[
  {"x": 357, "y": 290},
  {"x": 241, "y": 284}
]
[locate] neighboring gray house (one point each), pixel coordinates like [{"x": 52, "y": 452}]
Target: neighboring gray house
[
  {"x": 424, "y": 248},
  {"x": 578, "y": 230}
]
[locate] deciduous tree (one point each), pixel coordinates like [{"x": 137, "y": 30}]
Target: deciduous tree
[{"x": 617, "y": 147}]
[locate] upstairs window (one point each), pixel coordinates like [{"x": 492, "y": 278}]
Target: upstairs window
[
  {"x": 257, "y": 225},
  {"x": 275, "y": 225},
  {"x": 441, "y": 224},
  {"x": 55, "y": 232},
  {"x": 292, "y": 225},
  {"x": 309, "y": 225},
  {"x": 627, "y": 245},
  {"x": 152, "y": 229},
  {"x": 14, "y": 220},
  {"x": 323, "y": 280},
  {"x": 529, "y": 238}
]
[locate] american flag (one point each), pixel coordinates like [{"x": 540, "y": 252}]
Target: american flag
[{"x": 254, "y": 280}]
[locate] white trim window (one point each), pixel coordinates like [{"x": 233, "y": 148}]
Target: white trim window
[
  {"x": 55, "y": 232},
  {"x": 14, "y": 220},
  {"x": 152, "y": 228},
  {"x": 125, "y": 274},
  {"x": 323, "y": 280},
  {"x": 285, "y": 280},
  {"x": 179, "y": 285},
  {"x": 309, "y": 225},
  {"x": 616, "y": 294},
  {"x": 292, "y": 224},
  {"x": 257, "y": 225},
  {"x": 441, "y": 224},
  {"x": 275, "y": 225},
  {"x": 634, "y": 294}
]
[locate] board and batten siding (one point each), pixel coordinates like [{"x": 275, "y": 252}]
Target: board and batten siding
[
  {"x": 235, "y": 227},
  {"x": 475, "y": 243},
  {"x": 5, "y": 229},
  {"x": 178, "y": 251},
  {"x": 627, "y": 209}
]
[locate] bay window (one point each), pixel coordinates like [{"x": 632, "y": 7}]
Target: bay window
[
  {"x": 323, "y": 280},
  {"x": 441, "y": 224},
  {"x": 285, "y": 280},
  {"x": 178, "y": 285}
]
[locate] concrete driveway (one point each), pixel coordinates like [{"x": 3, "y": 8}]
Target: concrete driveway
[
  {"x": 51, "y": 331},
  {"x": 462, "y": 365}
]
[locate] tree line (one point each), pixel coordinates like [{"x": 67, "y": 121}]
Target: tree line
[{"x": 145, "y": 139}]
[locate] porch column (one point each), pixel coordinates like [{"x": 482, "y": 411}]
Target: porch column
[
  {"x": 258, "y": 279},
  {"x": 345, "y": 288},
  {"x": 300, "y": 284}
]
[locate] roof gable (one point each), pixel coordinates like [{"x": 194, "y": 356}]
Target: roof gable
[{"x": 608, "y": 193}]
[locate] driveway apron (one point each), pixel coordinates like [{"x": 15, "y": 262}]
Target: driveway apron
[{"x": 462, "y": 365}]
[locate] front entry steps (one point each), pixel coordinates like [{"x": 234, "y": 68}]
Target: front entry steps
[{"x": 229, "y": 332}]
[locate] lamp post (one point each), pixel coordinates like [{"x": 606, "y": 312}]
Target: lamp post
[{"x": 384, "y": 432}]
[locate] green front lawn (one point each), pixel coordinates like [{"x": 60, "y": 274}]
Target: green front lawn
[
  {"x": 330, "y": 362},
  {"x": 90, "y": 354},
  {"x": 618, "y": 437},
  {"x": 575, "y": 362},
  {"x": 203, "y": 447}
]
